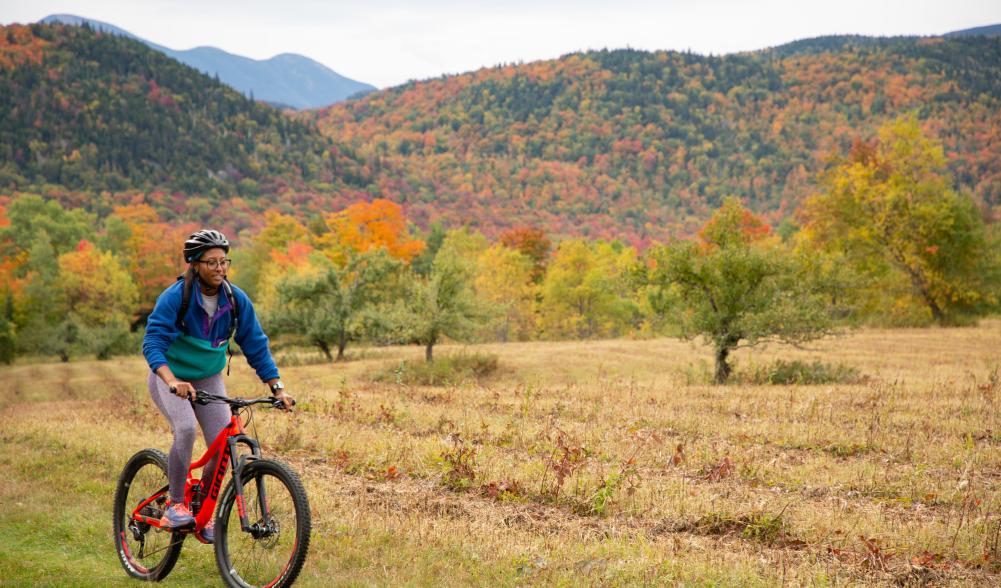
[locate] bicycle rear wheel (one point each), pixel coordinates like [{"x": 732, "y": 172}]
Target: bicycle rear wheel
[
  {"x": 146, "y": 552},
  {"x": 273, "y": 551}
]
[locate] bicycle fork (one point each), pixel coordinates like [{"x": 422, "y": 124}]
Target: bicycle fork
[{"x": 265, "y": 526}]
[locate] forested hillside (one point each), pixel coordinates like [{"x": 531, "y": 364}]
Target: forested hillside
[
  {"x": 642, "y": 145},
  {"x": 85, "y": 116},
  {"x": 610, "y": 144}
]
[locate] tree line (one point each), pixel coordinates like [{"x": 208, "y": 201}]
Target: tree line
[{"x": 887, "y": 240}]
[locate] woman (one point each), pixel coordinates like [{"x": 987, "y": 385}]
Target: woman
[{"x": 185, "y": 346}]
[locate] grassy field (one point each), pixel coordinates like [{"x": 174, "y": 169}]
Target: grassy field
[{"x": 578, "y": 463}]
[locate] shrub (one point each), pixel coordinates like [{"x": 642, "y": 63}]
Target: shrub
[
  {"x": 443, "y": 371},
  {"x": 765, "y": 527},
  {"x": 801, "y": 372}
]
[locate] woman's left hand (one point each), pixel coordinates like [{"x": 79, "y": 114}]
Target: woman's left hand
[{"x": 287, "y": 400}]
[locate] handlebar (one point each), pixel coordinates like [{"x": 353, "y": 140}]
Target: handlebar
[{"x": 204, "y": 397}]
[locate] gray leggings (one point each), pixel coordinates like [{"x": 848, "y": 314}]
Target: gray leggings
[{"x": 212, "y": 417}]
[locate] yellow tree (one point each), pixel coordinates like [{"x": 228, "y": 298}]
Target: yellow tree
[
  {"x": 93, "y": 298},
  {"x": 296, "y": 259},
  {"x": 254, "y": 263},
  {"x": 504, "y": 280},
  {"x": 150, "y": 249},
  {"x": 586, "y": 291},
  {"x": 891, "y": 212}
]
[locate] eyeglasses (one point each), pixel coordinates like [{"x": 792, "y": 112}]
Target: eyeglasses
[{"x": 217, "y": 263}]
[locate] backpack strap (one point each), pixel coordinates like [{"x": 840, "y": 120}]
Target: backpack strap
[
  {"x": 189, "y": 282},
  {"x": 234, "y": 308},
  {"x": 234, "y": 311}
]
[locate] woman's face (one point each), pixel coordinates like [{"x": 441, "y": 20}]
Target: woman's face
[{"x": 211, "y": 267}]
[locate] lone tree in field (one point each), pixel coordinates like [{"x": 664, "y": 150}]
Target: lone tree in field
[
  {"x": 441, "y": 304},
  {"x": 891, "y": 211},
  {"x": 329, "y": 309},
  {"x": 736, "y": 287}
]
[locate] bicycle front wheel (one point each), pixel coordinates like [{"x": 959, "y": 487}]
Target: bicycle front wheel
[
  {"x": 146, "y": 552},
  {"x": 273, "y": 550}
]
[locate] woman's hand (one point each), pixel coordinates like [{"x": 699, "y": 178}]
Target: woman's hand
[
  {"x": 182, "y": 389},
  {"x": 287, "y": 400}
]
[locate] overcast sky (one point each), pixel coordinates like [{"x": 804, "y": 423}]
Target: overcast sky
[{"x": 387, "y": 42}]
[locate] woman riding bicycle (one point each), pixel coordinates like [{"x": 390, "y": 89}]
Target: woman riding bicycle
[{"x": 186, "y": 340}]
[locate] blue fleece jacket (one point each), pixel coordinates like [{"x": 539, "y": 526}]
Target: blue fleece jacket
[{"x": 200, "y": 352}]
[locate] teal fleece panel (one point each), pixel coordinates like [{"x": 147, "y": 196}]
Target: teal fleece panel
[{"x": 191, "y": 358}]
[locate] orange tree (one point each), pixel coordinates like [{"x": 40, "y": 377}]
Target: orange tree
[{"x": 365, "y": 226}]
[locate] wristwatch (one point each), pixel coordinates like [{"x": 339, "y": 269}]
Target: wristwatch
[{"x": 277, "y": 387}]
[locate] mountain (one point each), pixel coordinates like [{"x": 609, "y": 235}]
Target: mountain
[
  {"x": 644, "y": 145},
  {"x": 622, "y": 144},
  {"x": 94, "y": 118},
  {"x": 987, "y": 31},
  {"x": 287, "y": 79}
]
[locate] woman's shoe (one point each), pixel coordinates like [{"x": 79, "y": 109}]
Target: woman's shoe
[
  {"x": 207, "y": 534},
  {"x": 177, "y": 516}
]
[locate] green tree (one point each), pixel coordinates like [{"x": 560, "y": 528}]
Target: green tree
[
  {"x": 441, "y": 304},
  {"x": 433, "y": 240},
  {"x": 330, "y": 308},
  {"x": 736, "y": 287},
  {"x": 890, "y": 210},
  {"x": 8, "y": 335},
  {"x": 30, "y": 215}
]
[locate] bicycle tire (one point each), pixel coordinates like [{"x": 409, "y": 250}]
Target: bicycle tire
[
  {"x": 285, "y": 493},
  {"x": 145, "y": 472}
]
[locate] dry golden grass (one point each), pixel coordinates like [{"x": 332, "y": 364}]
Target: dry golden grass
[{"x": 596, "y": 463}]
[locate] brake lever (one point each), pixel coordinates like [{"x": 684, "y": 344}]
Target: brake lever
[{"x": 277, "y": 403}]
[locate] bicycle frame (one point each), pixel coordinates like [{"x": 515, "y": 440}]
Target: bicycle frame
[{"x": 224, "y": 447}]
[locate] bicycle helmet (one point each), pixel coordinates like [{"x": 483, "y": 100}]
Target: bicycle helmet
[{"x": 201, "y": 241}]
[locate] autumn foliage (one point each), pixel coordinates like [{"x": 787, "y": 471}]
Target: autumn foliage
[
  {"x": 367, "y": 226},
  {"x": 19, "y": 46},
  {"x": 644, "y": 146}
]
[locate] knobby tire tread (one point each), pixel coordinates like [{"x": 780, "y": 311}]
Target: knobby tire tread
[
  {"x": 132, "y": 467},
  {"x": 303, "y": 521}
]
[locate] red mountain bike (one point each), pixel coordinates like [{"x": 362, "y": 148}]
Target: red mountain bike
[{"x": 263, "y": 542}]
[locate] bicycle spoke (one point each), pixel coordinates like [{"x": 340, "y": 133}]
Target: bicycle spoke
[
  {"x": 145, "y": 551},
  {"x": 159, "y": 549},
  {"x": 146, "y": 481}
]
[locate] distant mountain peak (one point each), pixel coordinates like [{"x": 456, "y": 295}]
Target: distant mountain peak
[
  {"x": 985, "y": 31},
  {"x": 287, "y": 78}
]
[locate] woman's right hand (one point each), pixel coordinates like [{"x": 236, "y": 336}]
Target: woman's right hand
[{"x": 182, "y": 389}]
